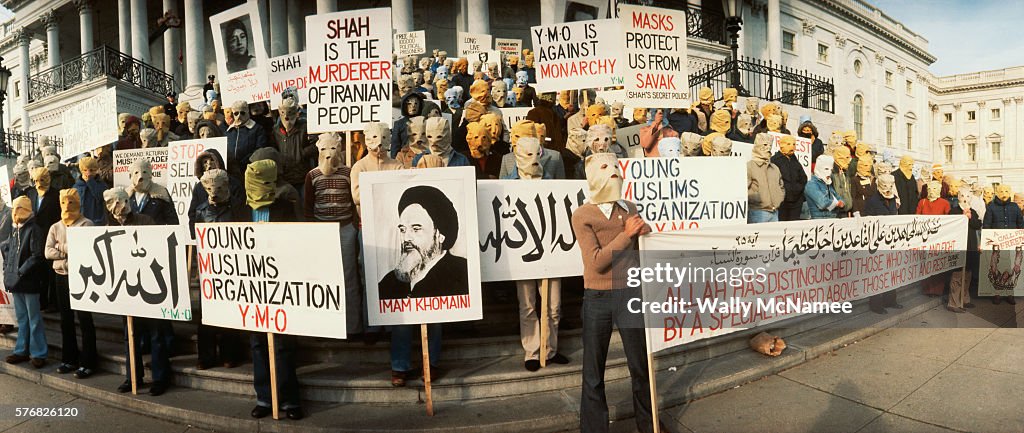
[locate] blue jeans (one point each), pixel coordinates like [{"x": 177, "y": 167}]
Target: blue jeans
[
  {"x": 401, "y": 345},
  {"x": 287, "y": 380},
  {"x": 762, "y": 216},
  {"x": 31, "y": 333},
  {"x": 355, "y": 311},
  {"x": 603, "y": 309},
  {"x": 362, "y": 280},
  {"x": 161, "y": 339}
]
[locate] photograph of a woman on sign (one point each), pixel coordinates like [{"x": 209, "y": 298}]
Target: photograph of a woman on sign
[{"x": 237, "y": 44}]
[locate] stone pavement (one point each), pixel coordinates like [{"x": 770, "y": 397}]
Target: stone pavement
[{"x": 935, "y": 372}]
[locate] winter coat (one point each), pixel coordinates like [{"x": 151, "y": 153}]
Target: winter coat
[
  {"x": 841, "y": 184},
  {"x": 57, "y": 243},
  {"x": 24, "y": 265},
  {"x": 736, "y": 135},
  {"x": 199, "y": 194},
  {"x": 817, "y": 149},
  {"x": 683, "y": 121},
  {"x": 543, "y": 113},
  {"x": 876, "y": 205},
  {"x": 62, "y": 178},
  {"x": 5, "y": 222},
  {"x": 91, "y": 195},
  {"x": 907, "y": 190},
  {"x": 861, "y": 192},
  {"x": 47, "y": 212},
  {"x": 938, "y": 207},
  {"x": 297, "y": 152},
  {"x": 157, "y": 205},
  {"x": 400, "y": 132},
  {"x": 464, "y": 81},
  {"x": 455, "y": 160},
  {"x": 550, "y": 162},
  {"x": 821, "y": 199},
  {"x": 242, "y": 142},
  {"x": 221, "y": 213},
  {"x": 1003, "y": 215},
  {"x": 765, "y": 189},
  {"x": 794, "y": 179}
]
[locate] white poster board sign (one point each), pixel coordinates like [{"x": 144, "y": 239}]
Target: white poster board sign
[
  {"x": 470, "y": 44},
  {"x": 289, "y": 70},
  {"x": 123, "y": 160},
  {"x": 655, "y": 69},
  {"x": 510, "y": 116},
  {"x": 578, "y": 55},
  {"x": 267, "y": 278},
  {"x": 509, "y": 47},
  {"x": 802, "y": 152},
  {"x": 129, "y": 271},
  {"x": 350, "y": 69},
  {"x": 238, "y": 41},
  {"x": 410, "y": 43},
  {"x": 181, "y": 171},
  {"x": 90, "y": 124},
  {"x": 629, "y": 137},
  {"x": 1002, "y": 256},
  {"x": 526, "y": 228},
  {"x": 421, "y": 244},
  {"x": 674, "y": 194}
]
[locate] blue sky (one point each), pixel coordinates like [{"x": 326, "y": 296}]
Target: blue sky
[{"x": 965, "y": 35}]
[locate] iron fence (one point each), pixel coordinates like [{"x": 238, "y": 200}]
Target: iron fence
[
  {"x": 14, "y": 143},
  {"x": 770, "y": 82},
  {"x": 103, "y": 61}
]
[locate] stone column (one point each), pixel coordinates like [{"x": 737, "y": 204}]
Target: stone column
[
  {"x": 172, "y": 42},
  {"x": 296, "y": 28},
  {"x": 85, "y": 17},
  {"x": 983, "y": 150},
  {"x": 23, "y": 37},
  {"x": 774, "y": 32},
  {"x": 124, "y": 26},
  {"x": 401, "y": 15},
  {"x": 956, "y": 134},
  {"x": 195, "y": 43},
  {"x": 278, "y": 32},
  {"x": 547, "y": 12},
  {"x": 326, "y": 6},
  {"x": 140, "y": 30},
  {"x": 478, "y": 19},
  {"x": 1015, "y": 151},
  {"x": 50, "y": 21}
]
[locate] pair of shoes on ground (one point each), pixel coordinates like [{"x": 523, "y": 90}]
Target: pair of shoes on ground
[
  {"x": 534, "y": 364},
  {"x": 18, "y": 359},
  {"x": 156, "y": 389},
  {"x": 999, "y": 299},
  {"x": 399, "y": 378},
  {"x": 295, "y": 413}
]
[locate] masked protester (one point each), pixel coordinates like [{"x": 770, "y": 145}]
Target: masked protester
[
  {"x": 90, "y": 190},
  {"x": 244, "y": 137},
  {"x": 670, "y": 147},
  {"x": 83, "y": 362},
  {"x": 651, "y": 135},
  {"x": 1002, "y": 213},
  {"x": 297, "y": 151},
  {"x": 479, "y": 141},
  {"x": 260, "y": 191},
  {"x": 129, "y": 138},
  {"x": 60, "y": 175},
  {"x": 743, "y": 132},
  {"x": 45, "y": 201},
  {"x": 285, "y": 191},
  {"x": 794, "y": 179},
  {"x": 809, "y": 131},
  {"x": 765, "y": 188},
  {"x": 25, "y": 278},
  {"x": 906, "y": 186},
  {"x": 550, "y": 159},
  {"x": 934, "y": 204},
  {"x": 411, "y": 106},
  {"x": 328, "y": 198},
  {"x": 841, "y": 179},
  {"x": 211, "y": 159},
  {"x": 820, "y": 195},
  {"x": 959, "y": 284},
  {"x": 937, "y": 173},
  {"x": 607, "y": 229},
  {"x": 863, "y": 185},
  {"x": 882, "y": 202},
  {"x": 150, "y": 198},
  {"x": 378, "y": 143},
  {"x": 439, "y": 143}
]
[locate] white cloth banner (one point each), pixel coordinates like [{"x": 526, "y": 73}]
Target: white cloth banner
[
  {"x": 674, "y": 194},
  {"x": 129, "y": 271},
  {"x": 410, "y": 43},
  {"x": 123, "y": 160},
  {"x": 470, "y": 44},
  {"x": 420, "y": 237},
  {"x": 181, "y": 171},
  {"x": 765, "y": 265},
  {"x": 90, "y": 124},
  {"x": 266, "y": 278},
  {"x": 238, "y": 41},
  {"x": 289, "y": 70},
  {"x": 526, "y": 228},
  {"x": 1002, "y": 256},
  {"x": 654, "y": 46},
  {"x": 577, "y": 55},
  {"x": 350, "y": 69}
]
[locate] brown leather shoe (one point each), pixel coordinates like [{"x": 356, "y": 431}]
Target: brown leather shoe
[
  {"x": 38, "y": 362},
  {"x": 398, "y": 378},
  {"x": 16, "y": 359}
]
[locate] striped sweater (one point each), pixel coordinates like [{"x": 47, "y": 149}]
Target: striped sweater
[{"x": 329, "y": 198}]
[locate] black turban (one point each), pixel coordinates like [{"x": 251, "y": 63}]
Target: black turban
[{"x": 438, "y": 207}]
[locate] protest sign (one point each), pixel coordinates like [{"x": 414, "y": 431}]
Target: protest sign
[
  {"x": 289, "y": 70},
  {"x": 1002, "y": 253},
  {"x": 129, "y": 271},
  {"x": 743, "y": 150},
  {"x": 526, "y": 228},
  {"x": 266, "y": 278},
  {"x": 469, "y": 44},
  {"x": 723, "y": 280},
  {"x": 410, "y": 43},
  {"x": 349, "y": 56},
  {"x": 577, "y": 55},
  {"x": 512, "y": 115},
  {"x": 239, "y": 43},
  {"x": 508, "y": 47},
  {"x": 181, "y": 172},
  {"x": 483, "y": 58},
  {"x": 90, "y": 124},
  {"x": 5, "y": 186},
  {"x": 123, "y": 160},
  {"x": 629, "y": 137},
  {"x": 420, "y": 234},
  {"x": 655, "y": 69},
  {"x": 674, "y": 194},
  {"x": 802, "y": 153}
]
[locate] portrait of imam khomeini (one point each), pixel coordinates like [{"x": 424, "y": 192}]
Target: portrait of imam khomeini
[{"x": 428, "y": 226}]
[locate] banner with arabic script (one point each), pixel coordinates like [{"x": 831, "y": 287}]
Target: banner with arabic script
[
  {"x": 526, "y": 228},
  {"x": 130, "y": 271},
  {"x": 718, "y": 280}
]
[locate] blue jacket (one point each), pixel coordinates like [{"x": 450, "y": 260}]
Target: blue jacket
[
  {"x": 456, "y": 160},
  {"x": 876, "y": 205},
  {"x": 242, "y": 142},
  {"x": 820, "y": 198},
  {"x": 1003, "y": 215},
  {"x": 91, "y": 195},
  {"x": 24, "y": 265}
]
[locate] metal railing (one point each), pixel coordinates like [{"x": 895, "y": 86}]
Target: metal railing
[
  {"x": 14, "y": 143},
  {"x": 103, "y": 61},
  {"x": 700, "y": 23},
  {"x": 769, "y": 82}
]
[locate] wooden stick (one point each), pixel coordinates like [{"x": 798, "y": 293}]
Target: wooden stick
[
  {"x": 273, "y": 374},
  {"x": 131, "y": 356},
  {"x": 653, "y": 381},
  {"x": 426, "y": 368},
  {"x": 543, "y": 321},
  {"x": 348, "y": 148}
]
